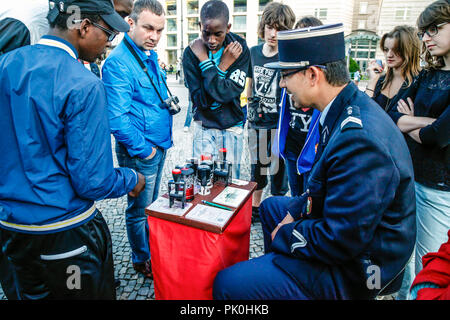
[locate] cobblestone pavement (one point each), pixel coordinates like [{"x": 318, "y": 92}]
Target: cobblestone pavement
[{"x": 134, "y": 286}]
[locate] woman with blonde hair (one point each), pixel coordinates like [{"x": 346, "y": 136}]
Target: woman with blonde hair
[
  {"x": 401, "y": 49},
  {"x": 423, "y": 115}
]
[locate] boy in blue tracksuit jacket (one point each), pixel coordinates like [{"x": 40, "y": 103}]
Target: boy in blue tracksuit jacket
[{"x": 57, "y": 159}]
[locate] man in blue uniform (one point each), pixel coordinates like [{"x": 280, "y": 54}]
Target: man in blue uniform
[
  {"x": 57, "y": 158},
  {"x": 352, "y": 232}
]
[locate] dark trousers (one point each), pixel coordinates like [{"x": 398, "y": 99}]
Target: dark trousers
[
  {"x": 7, "y": 276},
  {"x": 264, "y": 164},
  {"x": 72, "y": 264}
]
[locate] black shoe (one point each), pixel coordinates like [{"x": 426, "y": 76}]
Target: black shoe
[
  {"x": 116, "y": 283},
  {"x": 144, "y": 268}
]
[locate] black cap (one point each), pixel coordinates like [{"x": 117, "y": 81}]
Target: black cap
[{"x": 104, "y": 8}]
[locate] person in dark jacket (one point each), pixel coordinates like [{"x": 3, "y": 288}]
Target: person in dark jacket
[
  {"x": 352, "y": 232},
  {"x": 401, "y": 49},
  {"x": 423, "y": 115},
  {"x": 215, "y": 67}
]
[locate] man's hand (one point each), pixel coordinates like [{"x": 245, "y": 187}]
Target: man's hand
[
  {"x": 139, "y": 186},
  {"x": 288, "y": 219},
  {"x": 199, "y": 49},
  {"x": 230, "y": 55}
]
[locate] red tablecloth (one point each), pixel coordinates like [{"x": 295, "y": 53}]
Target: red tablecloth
[{"x": 185, "y": 260}]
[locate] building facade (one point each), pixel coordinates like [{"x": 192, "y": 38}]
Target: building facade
[{"x": 365, "y": 21}]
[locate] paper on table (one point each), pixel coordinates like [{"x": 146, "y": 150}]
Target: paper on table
[
  {"x": 162, "y": 205},
  {"x": 231, "y": 197},
  {"x": 239, "y": 182},
  {"x": 210, "y": 215}
]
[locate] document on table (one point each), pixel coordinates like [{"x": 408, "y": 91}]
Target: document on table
[
  {"x": 210, "y": 215},
  {"x": 162, "y": 205},
  {"x": 231, "y": 197}
]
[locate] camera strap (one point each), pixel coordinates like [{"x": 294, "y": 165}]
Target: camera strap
[{"x": 144, "y": 68}]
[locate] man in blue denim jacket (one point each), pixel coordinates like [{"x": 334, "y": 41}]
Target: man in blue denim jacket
[{"x": 139, "y": 119}]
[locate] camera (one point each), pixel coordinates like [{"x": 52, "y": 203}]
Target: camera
[{"x": 172, "y": 104}]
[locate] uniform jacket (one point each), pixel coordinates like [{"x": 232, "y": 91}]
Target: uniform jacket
[
  {"x": 137, "y": 119},
  {"x": 211, "y": 85},
  {"x": 355, "y": 226}
]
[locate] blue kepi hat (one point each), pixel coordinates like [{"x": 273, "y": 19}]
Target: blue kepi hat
[{"x": 302, "y": 48}]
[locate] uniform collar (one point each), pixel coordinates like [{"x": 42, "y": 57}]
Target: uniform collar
[
  {"x": 325, "y": 112},
  {"x": 57, "y": 42},
  {"x": 335, "y": 109}
]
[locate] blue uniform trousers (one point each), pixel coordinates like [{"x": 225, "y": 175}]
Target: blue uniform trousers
[{"x": 260, "y": 278}]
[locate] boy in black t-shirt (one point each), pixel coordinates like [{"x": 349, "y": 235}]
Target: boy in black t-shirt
[{"x": 263, "y": 104}]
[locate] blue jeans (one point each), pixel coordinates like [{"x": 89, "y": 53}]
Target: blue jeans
[
  {"x": 209, "y": 141},
  {"x": 187, "y": 122},
  {"x": 135, "y": 218}
]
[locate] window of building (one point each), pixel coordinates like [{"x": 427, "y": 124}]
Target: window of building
[
  {"x": 362, "y": 50},
  {"x": 171, "y": 24},
  {"x": 172, "y": 57},
  {"x": 192, "y": 37},
  {"x": 240, "y": 22},
  {"x": 402, "y": 14},
  {"x": 262, "y": 4},
  {"x": 171, "y": 7},
  {"x": 321, "y": 13},
  {"x": 362, "y": 24},
  {"x": 171, "y": 40},
  {"x": 193, "y": 24},
  {"x": 240, "y": 5},
  {"x": 192, "y": 7},
  {"x": 363, "y": 7}
]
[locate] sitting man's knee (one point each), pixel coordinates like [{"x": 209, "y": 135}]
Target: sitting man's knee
[{"x": 220, "y": 286}]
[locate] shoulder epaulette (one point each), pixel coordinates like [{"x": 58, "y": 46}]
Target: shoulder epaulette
[{"x": 352, "y": 119}]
